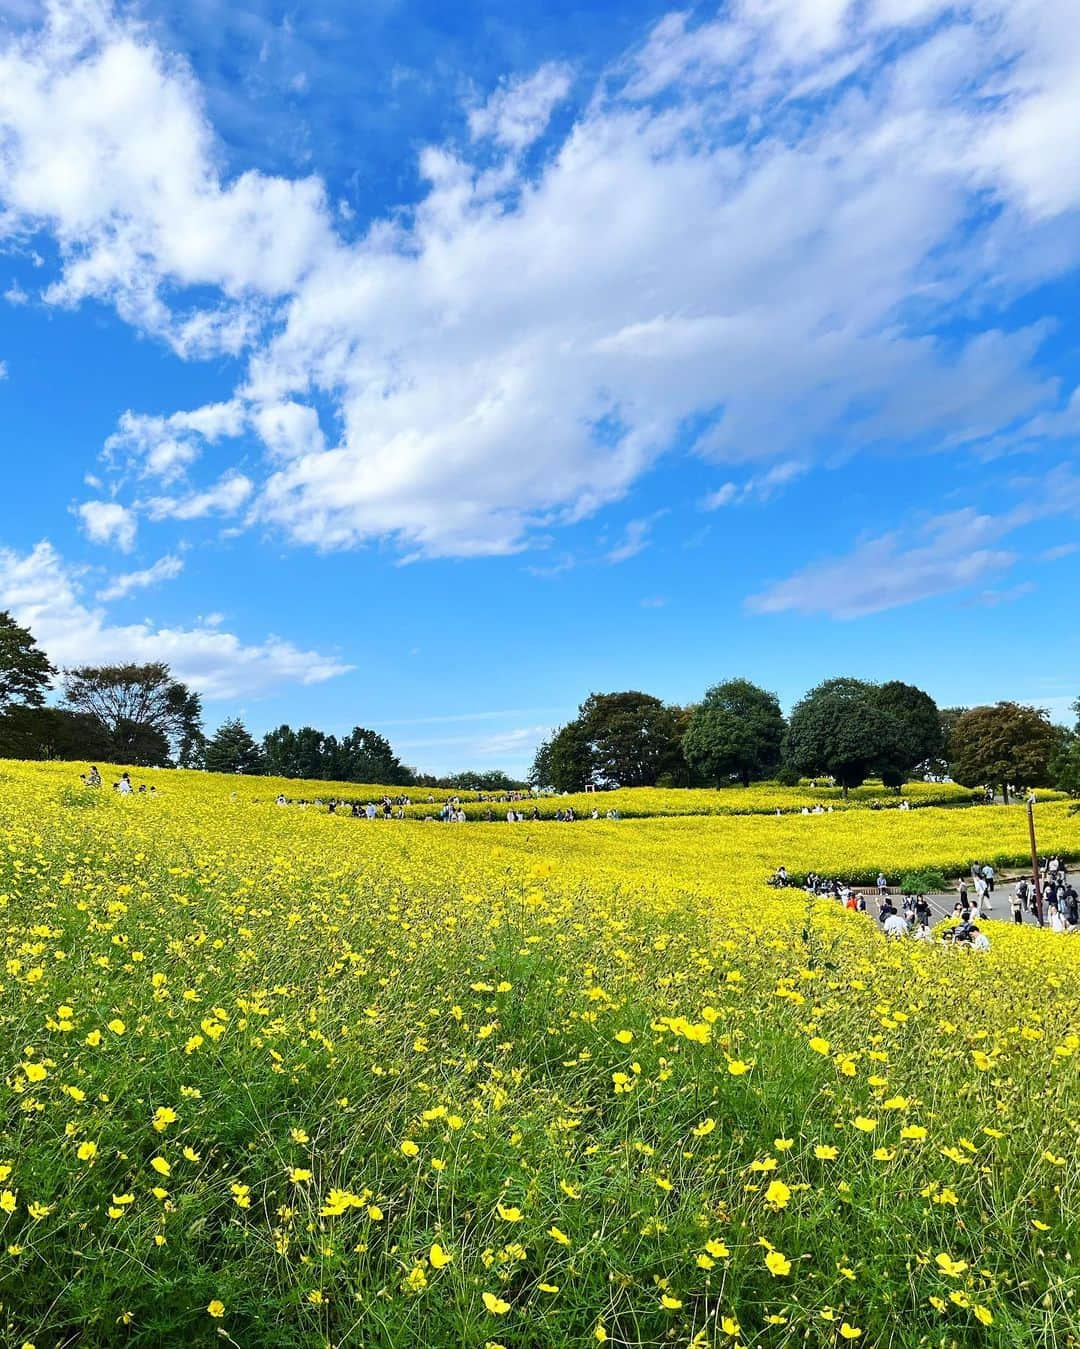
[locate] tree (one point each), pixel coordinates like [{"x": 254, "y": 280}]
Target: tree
[
  {"x": 840, "y": 729},
  {"x": 25, "y": 671},
  {"x": 1065, "y": 762},
  {"x": 53, "y": 733},
  {"x": 632, "y": 737},
  {"x": 147, "y": 696},
  {"x": 366, "y": 756},
  {"x": 1007, "y": 744},
  {"x": 361, "y": 756},
  {"x": 949, "y": 717},
  {"x": 737, "y": 731},
  {"x": 920, "y": 737},
  {"x": 565, "y": 761},
  {"x": 232, "y": 750}
]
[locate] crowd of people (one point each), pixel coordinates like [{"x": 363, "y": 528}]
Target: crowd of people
[{"x": 974, "y": 901}]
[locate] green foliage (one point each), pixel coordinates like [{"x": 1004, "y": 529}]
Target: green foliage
[
  {"x": 1006, "y": 744},
  {"x": 925, "y": 882},
  {"x": 564, "y": 762},
  {"x": 919, "y": 738},
  {"x": 617, "y": 739},
  {"x": 54, "y": 733},
  {"x": 632, "y": 736},
  {"x": 1065, "y": 762},
  {"x": 147, "y": 714},
  {"x": 840, "y": 730},
  {"x": 736, "y": 732},
  {"x": 232, "y": 750},
  {"x": 25, "y": 672},
  {"x": 360, "y": 756}
]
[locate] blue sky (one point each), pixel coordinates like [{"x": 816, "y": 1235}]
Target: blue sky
[{"x": 429, "y": 367}]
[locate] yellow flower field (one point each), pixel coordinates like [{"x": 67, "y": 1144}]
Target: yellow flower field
[{"x": 282, "y": 1078}]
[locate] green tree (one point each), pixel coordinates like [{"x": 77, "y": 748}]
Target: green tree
[
  {"x": 1008, "y": 744},
  {"x": 949, "y": 717},
  {"x": 633, "y": 738},
  {"x": 920, "y": 739},
  {"x": 122, "y": 697},
  {"x": 840, "y": 729},
  {"x": 25, "y": 671},
  {"x": 53, "y": 733},
  {"x": 737, "y": 731},
  {"x": 1065, "y": 761},
  {"x": 232, "y": 750},
  {"x": 565, "y": 761}
]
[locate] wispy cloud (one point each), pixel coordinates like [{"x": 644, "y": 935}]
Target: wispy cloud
[
  {"x": 761, "y": 487},
  {"x": 165, "y": 569}
]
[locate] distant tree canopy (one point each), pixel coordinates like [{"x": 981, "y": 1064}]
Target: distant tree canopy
[
  {"x": 625, "y": 739},
  {"x": 848, "y": 729},
  {"x": 736, "y": 731},
  {"x": 845, "y": 728},
  {"x": 1065, "y": 762},
  {"x": 148, "y": 715},
  {"x": 1008, "y": 744},
  {"x": 232, "y": 749},
  {"x": 361, "y": 756}
]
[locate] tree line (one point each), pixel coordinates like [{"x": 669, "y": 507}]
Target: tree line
[
  {"x": 142, "y": 715},
  {"x": 845, "y": 729}
]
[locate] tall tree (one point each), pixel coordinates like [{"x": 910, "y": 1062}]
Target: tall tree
[
  {"x": 147, "y": 696},
  {"x": 565, "y": 761},
  {"x": 737, "y": 731},
  {"x": 840, "y": 729},
  {"x": 1065, "y": 762},
  {"x": 25, "y": 671},
  {"x": 632, "y": 736},
  {"x": 920, "y": 739},
  {"x": 1008, "y": 744},
  {"x": 232, "y": 750}
]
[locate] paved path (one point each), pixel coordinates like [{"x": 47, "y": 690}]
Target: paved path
[{"x": 1000, "y": 910}]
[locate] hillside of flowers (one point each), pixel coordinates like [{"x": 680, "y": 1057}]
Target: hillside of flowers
[{"x": 276, "y": 1077}]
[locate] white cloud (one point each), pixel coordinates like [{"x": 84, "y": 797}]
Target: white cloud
[
  {"x": 108, "y": 522},
  {"x": 519, "y": 111},
  {"x": 950, "y": 552},
  {"x": 761, "y": 487},
  {"x": 3, "y": 370},
  {"x": 884, "y": 572},
  {"x": 635, "y": 540},
  {"x": 226, "y": 497},
  {"x": 15, "y": 295},
  {"x": 164, "y": 447},
  {"x": 759, "y": 226},
  {"x": 44, "y": 593},
  {"x": 164, "y": 569}
]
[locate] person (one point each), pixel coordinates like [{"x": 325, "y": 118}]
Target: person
[
  {"x": 962, "y": 891},
  {"x": 895, "y": 925},
  {"x": 882, "y": 883},
  {"x": 370, "y": 810},
  {"x": 124, "y": 785},
  {"x": 886, "y": 910},
  {"x": 93, "y": 778},
  {"x": 988, "y": 877},
  {"x": 923, "y": 912},
  {"x": 781, "y": 875},
  {"x": 979, "y": 940},
  {"x": 981, "y": 900},
  {"x": 1022, "y": 892},
  {"x": 1016, "y": 904}
]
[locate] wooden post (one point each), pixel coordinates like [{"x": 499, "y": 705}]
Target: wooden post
[{"x": 1035, "y": 861}]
